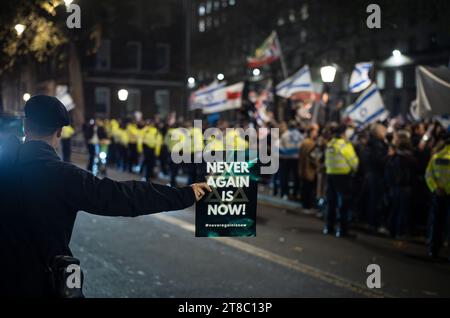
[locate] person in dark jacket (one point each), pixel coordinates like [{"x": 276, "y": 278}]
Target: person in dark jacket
[
  {"x": 376, "y": 154},
  {"x": 40, "y": 196},
  {"x": 402, "y": 168}
]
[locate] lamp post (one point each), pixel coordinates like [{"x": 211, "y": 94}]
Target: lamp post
[
  {"x": 191, "y": 82},
  {"x": 123, "y": 97},
  {"x": 328, "y": 74}
]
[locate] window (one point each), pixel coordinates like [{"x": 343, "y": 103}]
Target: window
[
  {"x": 102, "y": 101},
  {"x": 103, "y": 57},
  {"x": 201, "y": 10},
  {"x": 232, "y": 2},
  {"x": 216, "y": 22},
  {"x": 209, "y": 7},
  {"x": 162, "y": 57},
  {"x": 134, "y": 55},
  {"x": 162, "y": 102},
  {"x": 304, "y": 12},
  {"x": 133, "y": 101},
  {"x": 381, "y": 79},
  {"x": 398, "y": 79},
  {"x": 201, "y": 26},
  {"x": 216, "y": 5},
  {"x": 208, "y": 22},
  {"x": 291, "y": 16},
  {"x": 303, "y": 36}
]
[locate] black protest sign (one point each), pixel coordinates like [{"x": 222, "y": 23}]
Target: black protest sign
[{"x": 230, "y": 209}]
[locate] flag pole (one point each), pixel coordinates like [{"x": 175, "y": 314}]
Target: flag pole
[{"x": 283, "y": 63}]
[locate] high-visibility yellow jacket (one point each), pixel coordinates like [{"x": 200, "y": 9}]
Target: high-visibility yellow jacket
[
  {"x": 196, "y": 136},
  {"x": 150, "y": 134},
  {"x": 438, "y": 171},
  {"x": 214, "y": 144},
  {"x": 234, "y": 141},
  {"x": 140, "y": 139},
  {"x": 111, "y": 127},
  {"x": 132, "y": 132},
  {"x": 175, "y": 139},
  {"x": 122, "y": 137},
  {"x": 340, "y": 157},
  {"x": 158, "y": 143},
  {"x": 67, "y": 132}
]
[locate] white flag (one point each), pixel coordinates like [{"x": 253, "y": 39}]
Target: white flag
[
  {"x": 223, "y": 98},
  {"x": 299, "y": 82},
  {"x": 368, "y": 108},
  {"x": 360, "y": 79}
]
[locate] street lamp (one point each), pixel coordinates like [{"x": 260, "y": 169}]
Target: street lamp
[
  {"x": 26, "y": 96},
  {"x": 19, "y": 29},
  {"x": 123, "y": 95},
  {"x": 191, "y": 82},
  {"x": 396, "y": 53},
  {"x": 328, "y": 73},
  {"x": 220, "y": 76},
  {"x": 256, "y": 72}
]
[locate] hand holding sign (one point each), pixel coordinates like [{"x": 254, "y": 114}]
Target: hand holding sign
[
  {"x": 230, "y": 208},
  {"x": 199, "y": 190}
]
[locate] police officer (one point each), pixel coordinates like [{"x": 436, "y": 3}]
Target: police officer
[
  {"x": 340, "y": 162},
  {"x": 175, "y": 139},
  {"x": 151, "y": 141},
  {"x": 438, "y": 180},
  {"x": 40, "y": 196},
  {"x": 66, "y": 142}
]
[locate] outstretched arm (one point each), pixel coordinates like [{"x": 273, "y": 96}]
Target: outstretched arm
[{"x": 130, "y": 198}]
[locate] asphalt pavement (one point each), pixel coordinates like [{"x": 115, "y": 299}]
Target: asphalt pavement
[{"x": 159, "y": 256}]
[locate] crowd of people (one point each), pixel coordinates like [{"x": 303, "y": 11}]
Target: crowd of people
[
  {"x": 381, "y": 176},
  {"x": 392, "y": 176}
]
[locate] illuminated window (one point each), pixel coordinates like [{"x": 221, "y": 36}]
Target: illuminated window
[
  {"x": 232, "y": 2},
  {"x": 201, "y": 26},
  {"x": 304, "y": 12},
  {"x": 381, "y": 79},
  {"x": 398, "y": 79},
  {"x": 209, "y": 7},
  {"x": 201, "y": 10},
  {"x": 292, "y": 16}
]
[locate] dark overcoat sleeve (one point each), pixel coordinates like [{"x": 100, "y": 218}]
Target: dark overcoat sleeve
[{"x": 130, "y": 198}]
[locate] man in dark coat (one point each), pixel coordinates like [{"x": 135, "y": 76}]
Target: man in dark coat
[
  {"x": 376, "y": 154},
  {"x": 40, "y": 196}
]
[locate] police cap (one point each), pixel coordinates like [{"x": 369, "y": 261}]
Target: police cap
[{"x": 46, "y": 111}]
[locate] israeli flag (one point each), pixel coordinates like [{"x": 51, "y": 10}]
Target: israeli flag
[
  {"x": 360, "y": 80},
  {"x": 211, "y": 94},
  {"x": 368, "y": 108},
  {"x": 299, "y": 82}
]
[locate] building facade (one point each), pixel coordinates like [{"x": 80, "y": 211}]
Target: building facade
[
  {"x": 140, "y": 51},
  {"x": 320, "y": 33}
]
